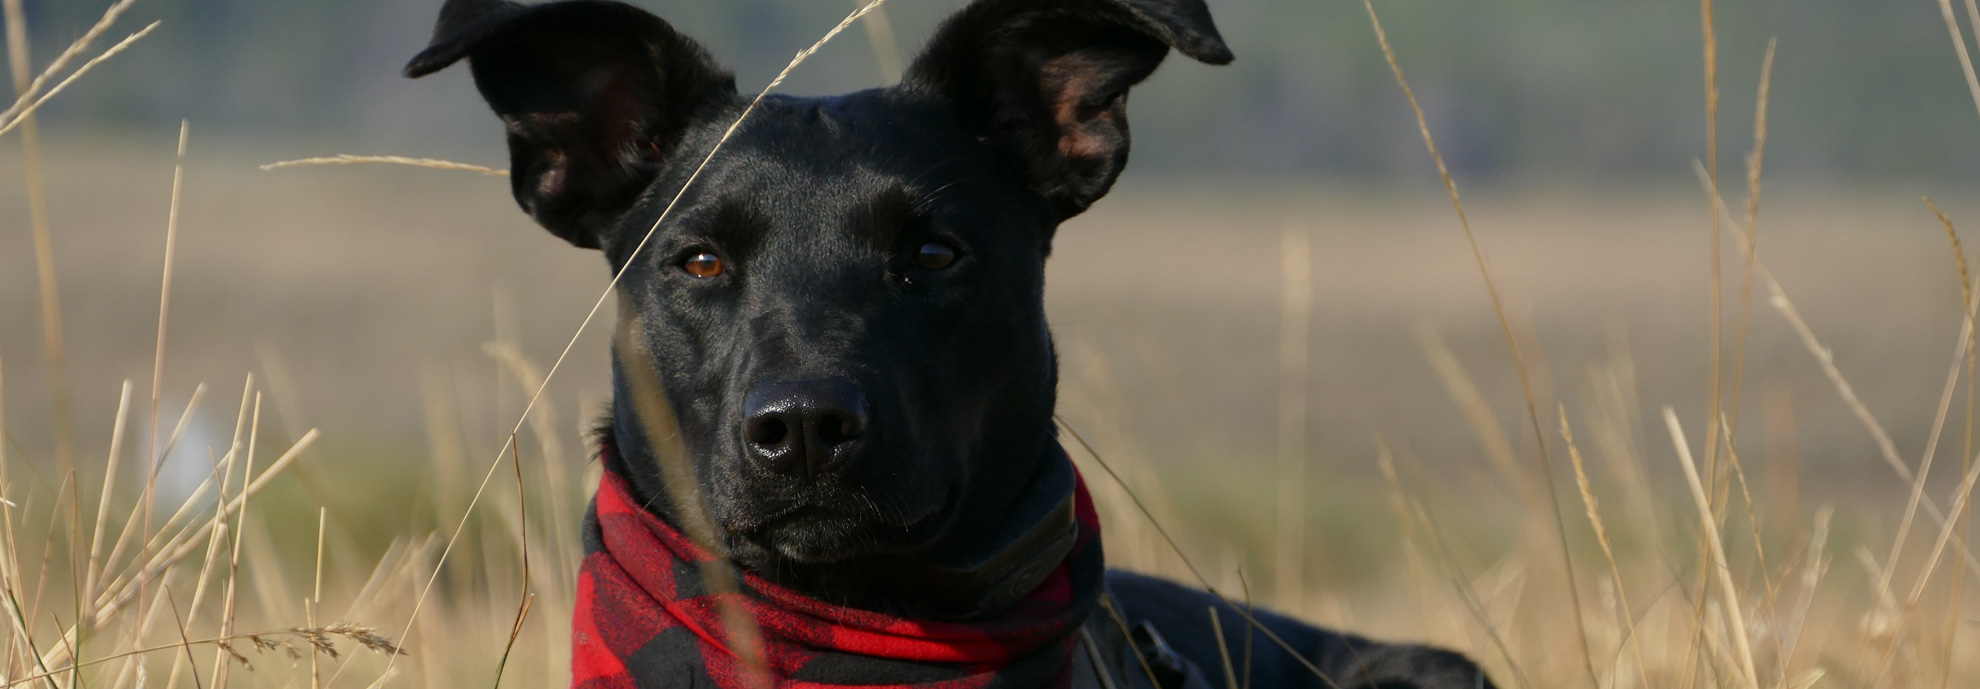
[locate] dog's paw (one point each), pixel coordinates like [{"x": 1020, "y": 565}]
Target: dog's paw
[{"x": 1419, "y": 667}]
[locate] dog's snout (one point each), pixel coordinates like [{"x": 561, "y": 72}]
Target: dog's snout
[{"x": 804, "y": 428}]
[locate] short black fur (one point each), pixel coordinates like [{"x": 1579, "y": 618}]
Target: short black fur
[{"x": 854, "y": 415}]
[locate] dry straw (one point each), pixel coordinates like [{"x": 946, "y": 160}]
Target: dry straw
[
  {"x": 1295, "y": 316},
  {"x": 28, "y": 103},
  {"x": 1512, "y": 343},
  {"x": 1722, "y": 571},
  {"x": 1887, "y": 449},
  {"x": 1594, "y": 508},
  {"x": 346, "y": 159},
  {"x": 44, "y": 253}
]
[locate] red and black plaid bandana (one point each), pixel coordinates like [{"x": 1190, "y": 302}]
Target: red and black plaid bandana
[{"x": 644, "y": 619}]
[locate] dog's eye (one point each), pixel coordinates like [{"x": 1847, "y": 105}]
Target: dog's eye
[
  {"x": 702, "y": 264},
  {"x": 934, "y": 256}
]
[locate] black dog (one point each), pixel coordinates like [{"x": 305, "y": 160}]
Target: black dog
[{"x": 846, "y": 308}]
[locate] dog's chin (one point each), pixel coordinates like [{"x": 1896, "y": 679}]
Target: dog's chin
[
  {"x": 818, "y": 538},
  {"x": 815, "y": 536}
]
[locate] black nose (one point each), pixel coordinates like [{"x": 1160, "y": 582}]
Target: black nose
[{"x": 804, "y": 428}]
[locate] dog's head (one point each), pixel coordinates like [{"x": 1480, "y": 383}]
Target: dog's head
[{"x": 846, "y": 305}]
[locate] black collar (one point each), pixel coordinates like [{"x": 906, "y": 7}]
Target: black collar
[{"x": 1037, "y": 534}]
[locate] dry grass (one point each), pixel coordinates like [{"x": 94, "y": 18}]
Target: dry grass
[{"x": 283, "y": 570}]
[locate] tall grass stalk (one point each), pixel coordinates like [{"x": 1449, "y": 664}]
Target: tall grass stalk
[
  {"x": 19, "y": 115},
  {"x": 75, "y": 49},
  {"x": 1627, "y": 612},
  {"x": 1953, "y": 622},
  {"x": 18, "y": 58},
  {"x": 1886, "y": 448},
  {"x": 1491, "y": 436},
  {"x": 1720, "y": 568},
  {"x": 347, "y": 159},
  {"x": 1959, "y": 44},
  {"x": 154, "y": 458},
  {"x": 109, "y": 491},
  {"x": 1552, "y": 495},
  {"x": 1925, "y": 573},
  {"x": 1295, "y": 315},
  {"x": 886, "y": 46},
  {"x": 663, "y": 436}
]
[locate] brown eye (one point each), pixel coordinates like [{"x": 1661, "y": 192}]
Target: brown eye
[
  {"x": 703, "y": 265},
  {"x": 934, "y": 256}
]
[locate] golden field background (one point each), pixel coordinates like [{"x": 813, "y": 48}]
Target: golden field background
[
  {"x": 367, "y": 301},
  {"x": 349, "y": 347}
]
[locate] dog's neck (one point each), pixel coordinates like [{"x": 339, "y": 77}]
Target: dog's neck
[{"x": 985, "y": 565}]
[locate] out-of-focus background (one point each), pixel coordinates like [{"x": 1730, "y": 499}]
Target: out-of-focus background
[{"x": 404, "y": 313}]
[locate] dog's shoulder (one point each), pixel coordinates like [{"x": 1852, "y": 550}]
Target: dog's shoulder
[{"x": 1179, "y": 618}]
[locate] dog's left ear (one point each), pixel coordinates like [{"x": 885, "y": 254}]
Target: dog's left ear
[
  {"x": 595, "y": 95},
  {"x": 1044, "y": 83}
]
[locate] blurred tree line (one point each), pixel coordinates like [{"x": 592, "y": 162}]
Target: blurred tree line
[{"x": 1535, "y": 88}]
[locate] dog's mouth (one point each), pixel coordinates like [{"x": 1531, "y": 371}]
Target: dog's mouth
[{"x": 815, "y": 534}]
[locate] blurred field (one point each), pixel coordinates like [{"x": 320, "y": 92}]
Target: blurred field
[{"x": 365, "y": 301}]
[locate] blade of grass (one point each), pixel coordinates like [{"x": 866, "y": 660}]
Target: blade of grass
[
  {"x": 1811, "y": 577},
  {"x": 145, "y": 621},
  {"x": 886, "y": 48},
  {"x": 1458, "y": 579},
  {"x": 1295, "y": 314},
  {"x": 69, "y": 54},
  {"x": 1959, "y": 46},
  {"x": 1931, "y": 567},
  {"x": 1498, "y": 448},
  {"x": 1245, "y": 587},
  {"x": 1721, "y": 570},
  {"x": 1755, "y": 164},
  {"x": 18, "y": 58},
  {"x": 1759, "y": 547},
  {"x": 663, "y": 435},
  {"x": 363, "y": 635},
  {"x": 73, "y": 639},
  {"x": 1114, "y": 614},
  {"x": 347, "y": 159},
  {"x": 223, "y": 469},
  {"x": 185, "y": 643},
  {"x": 1715, "y": 389},
  {"x": 1175, "y": 547},
  {"x": 109, "y": 491},
  {"x": 221, "y": 667},
  {"x": 1608, "y": 552},
  {"x": 1512, "y": 344},
  {"x": 522, "y": 527},
  {"x": 1399, "y": 504},
  {"x": 315, "y": 601},
  {"x": 22, "y": 114},
  {"x": 1973, "y": 88},
  {"x": 131, "y": 523},
  {"x": 10, "y": 579},
  {"x": 164, "y": 319},
  {"x": 1887, "y": 450},
  {"x": 1223, "y": 649},
  {"x": 1714, "y": 398},
  {"x": 1966, "y": 455},
  {"x": 556, "y": 468},
  {"x": 239, "y": 503}
]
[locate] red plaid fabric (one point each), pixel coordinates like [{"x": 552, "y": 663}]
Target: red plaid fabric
[{"x": 644, "y": 619}]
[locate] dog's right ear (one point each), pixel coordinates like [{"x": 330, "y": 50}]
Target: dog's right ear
[{"x": 596, "y": 95}]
